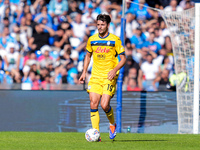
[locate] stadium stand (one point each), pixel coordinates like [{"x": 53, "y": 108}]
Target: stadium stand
[{"x": 43, "y": 42}]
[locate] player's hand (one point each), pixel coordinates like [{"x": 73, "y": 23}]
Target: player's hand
[
  {"x": 82, "y": 78},
  {"x": 111, "y": 74}
]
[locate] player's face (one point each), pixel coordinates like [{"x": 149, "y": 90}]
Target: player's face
[{"x": 102, "y": 27}]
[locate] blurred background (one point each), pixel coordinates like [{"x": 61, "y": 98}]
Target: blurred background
[{"x": 42, "y": 43}]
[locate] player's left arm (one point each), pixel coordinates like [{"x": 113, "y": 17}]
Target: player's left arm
[
  {"x": 120, "y": 51},
  {"x": 113, "y": 72}
]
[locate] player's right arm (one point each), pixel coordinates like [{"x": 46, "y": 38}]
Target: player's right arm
[
  {"x": 86, "y": 61},
  {"x": 85, "y": 66}
]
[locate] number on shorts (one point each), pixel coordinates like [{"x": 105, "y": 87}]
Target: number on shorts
[{"x": 110, "y": 87}]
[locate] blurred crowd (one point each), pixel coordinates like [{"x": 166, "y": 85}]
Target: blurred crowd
[{"x": 43, "y": 42}]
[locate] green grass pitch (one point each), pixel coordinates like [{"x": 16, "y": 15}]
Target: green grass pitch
[{"x": 76, "y": 141}]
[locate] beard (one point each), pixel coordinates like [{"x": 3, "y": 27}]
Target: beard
[{"x": 102, "y": 32}]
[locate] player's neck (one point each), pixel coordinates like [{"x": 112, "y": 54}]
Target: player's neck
[{"x": 103, "y": 35}]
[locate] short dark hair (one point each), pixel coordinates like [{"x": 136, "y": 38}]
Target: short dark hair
[
  {"x": 6, "y": 18},
  {"x": 104, "y": 17},
  {"x": 153, "y": 33},
  {"x": 149, "y": 55}
]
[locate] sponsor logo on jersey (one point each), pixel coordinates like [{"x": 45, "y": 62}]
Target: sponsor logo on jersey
[
  {"x": 102, "y": 50},
  {"x": 101, "y": 56}
]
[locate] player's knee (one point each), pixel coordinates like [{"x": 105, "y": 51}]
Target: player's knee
[
  {"x": 93, "y": 104},
  {"x": 105, "y": 107}
]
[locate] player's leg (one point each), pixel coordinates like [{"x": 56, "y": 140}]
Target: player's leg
[
  {"x": 105, "y": 104},
  {"x": 108, "y": 92},
  {"x": 109, "y": 89},
  {"x": 95, "y": 91},
  {"x": 94, "y": 113}
]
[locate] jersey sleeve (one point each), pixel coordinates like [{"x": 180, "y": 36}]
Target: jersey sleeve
[
  {"x": 119, "y": 47},
  {"x": 89, "y": 47}
]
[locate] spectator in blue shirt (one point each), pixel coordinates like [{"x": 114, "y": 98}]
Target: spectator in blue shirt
[
  {"x": 135, "y": 4},
  {"x": 72, "y": 74},
  {"x": 58, "y": 9},
  {"x": 138, "y": 39},
  {"x": 141, "y": 12},
  {"x": 20, "y": 2},
  {"x": 37, "y": 5},
  {"x": 6, "y": 38},
  {"x": 1, "y": 3},
  {"x": 73, "y": 10},
  {"x": 96, "y": 7},
  {"x": 44, "y": 17},
  {"x": 22, "y": 13},
  {"x": 129, "y": 8},
  {"x": 8, "y": 10},
  {"x": 151, "y": 44},
  {"x": 6, "y": 23}
]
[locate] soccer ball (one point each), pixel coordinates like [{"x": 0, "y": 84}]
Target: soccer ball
[{"x": 92, "y": 135}]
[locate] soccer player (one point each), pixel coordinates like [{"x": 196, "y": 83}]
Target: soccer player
[{"x": 105, "y": 47}]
